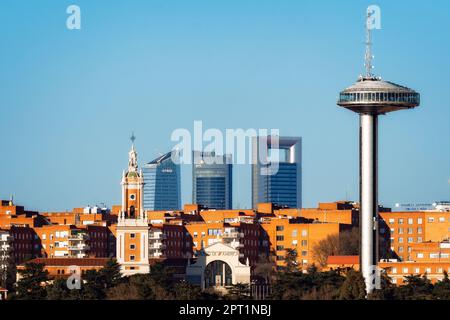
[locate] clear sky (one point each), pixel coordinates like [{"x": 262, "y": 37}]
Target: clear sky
[{"x": 70, "y": 99}]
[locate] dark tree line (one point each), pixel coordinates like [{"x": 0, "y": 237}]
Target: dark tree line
[{"x": 159, "y": 284}]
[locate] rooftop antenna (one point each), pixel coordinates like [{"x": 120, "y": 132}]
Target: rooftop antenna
[{"x": 369, "y": 56}]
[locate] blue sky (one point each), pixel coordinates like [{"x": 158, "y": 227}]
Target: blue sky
[{"x": 70, "y": 99}]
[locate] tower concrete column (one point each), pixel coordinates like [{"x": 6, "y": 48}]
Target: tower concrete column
[{"x": 369, "y": 197}]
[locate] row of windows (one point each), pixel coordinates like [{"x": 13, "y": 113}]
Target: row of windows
[
  {"x": 418, "y": 270},
  {"x": 294, "y": 232},
  {"x": 435, "y": 255},
  {"x": 380, "y": 96},
  {"x": 303, "y": 243},
  {"x": 419, "y": 220},
  {"x": 409, "y": 240}
]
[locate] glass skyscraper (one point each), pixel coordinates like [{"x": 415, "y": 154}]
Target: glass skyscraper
[
  {"x": 162, "y": 184},
  {"x": 212, "y": 180},
  {"x": 284, "y": 185}
]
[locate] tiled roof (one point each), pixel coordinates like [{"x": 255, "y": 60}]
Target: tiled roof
[
  {"x": 343, "y": 260},
  {"x": 82, "y": 262}
]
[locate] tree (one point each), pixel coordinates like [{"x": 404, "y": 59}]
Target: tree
[
  {"x": 96, "y": 283},
  {"x": 93, "y": 287},
  {"x": 441, "y": 289},
  {"x": 354, "y": 287},
  {"x": 187, "y": 291},
  {"x": 386, "y": 290},
  {"x": 59, "y": 290},
  {"x": 264, "y": 269},
  {"x": 307, "y": 286},
  {"x": 291, "y": 260},
  {"x": 239, "y": 291},
  {"x": 123, "y": 291},
  {"x": 110, "y": 274},
  {"x": 33, "y": 279},
  {"x": 346, "y": 243},
  {"x": 415, "y": 288}
]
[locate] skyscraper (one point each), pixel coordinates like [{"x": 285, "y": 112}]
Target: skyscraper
[
  {"x": 282, "y": 186},
  {"x": 212, "y": 177},
  {"x": 162, "y": 184}
]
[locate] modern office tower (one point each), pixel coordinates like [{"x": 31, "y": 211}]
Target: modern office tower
[
  {"x": 162, "y": 184},
  {"x": 212, "y": 177},
  {"x": 369, "y": 97},
  {"x": 278, "y": 182}
]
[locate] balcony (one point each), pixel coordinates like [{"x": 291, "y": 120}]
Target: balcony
[
  {"x": 78, "y": 247},
  {"x": 156, "y": 235},
  {"x": 78, "y": 237},
  {"x": 158, "y": 245},
  {"x": 233, "y": 235}
]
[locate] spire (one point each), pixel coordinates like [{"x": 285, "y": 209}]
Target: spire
[
  {"x": 132, "y": 156},
  {"x": 369, "y": 56}
]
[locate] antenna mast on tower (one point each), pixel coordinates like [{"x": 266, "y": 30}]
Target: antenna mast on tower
[{"x": 369, "y": 56}]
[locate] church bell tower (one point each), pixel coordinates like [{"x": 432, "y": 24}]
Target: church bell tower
[{"x": 132, "y": 224}]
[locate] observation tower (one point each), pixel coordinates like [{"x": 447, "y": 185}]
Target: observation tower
[{"x": 370, "y": 97}]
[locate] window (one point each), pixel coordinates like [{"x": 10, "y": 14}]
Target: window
[
  {"x": 132, "y": 197},
  {"x": 410, "y": 230},
  {"x": 392, "y": 231},
  {"x": 304, "y": 233},
  {"x": 400, "y": 249},
  {"x": 294, "y": 233},
  {"x": 280, "y": 228},
  {"x": 195, "y": 234},
  {"x": 400, "y": 230},
  {"x": 405, "y": 270},
  {"x": 304, "y": 253},
  {"x": 441, "y": 219},
  {"x": 132, "y": 246},
  {"x": 430, "y": 219},
  {"x": 132, "y": 235},
  {"x": 279, "y": 248},
  {"x": 428, "y": 270},
  {"x": 410, "y": 220},
  {"x": 410, "y": 240},
  {"x": 304, "y": 243},
  {"x": 280, "y": 238},
  {"x": 417, "y": 270},
  {"x": 419, "y": 221},
  {"x": 420, "y": 255},
  {"x": 400, "y": 240},
  {"x": 132, "y": 258},
  {"x": 394, "y": 270},
  {"x": 419, "y": 230},
  {"x": 419, "y": 239},
  {"x": 400, "y": 221},
  {"x": 391, "y": 221}
]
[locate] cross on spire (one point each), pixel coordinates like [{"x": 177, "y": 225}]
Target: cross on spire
[{"x": 133, "y": 137}]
